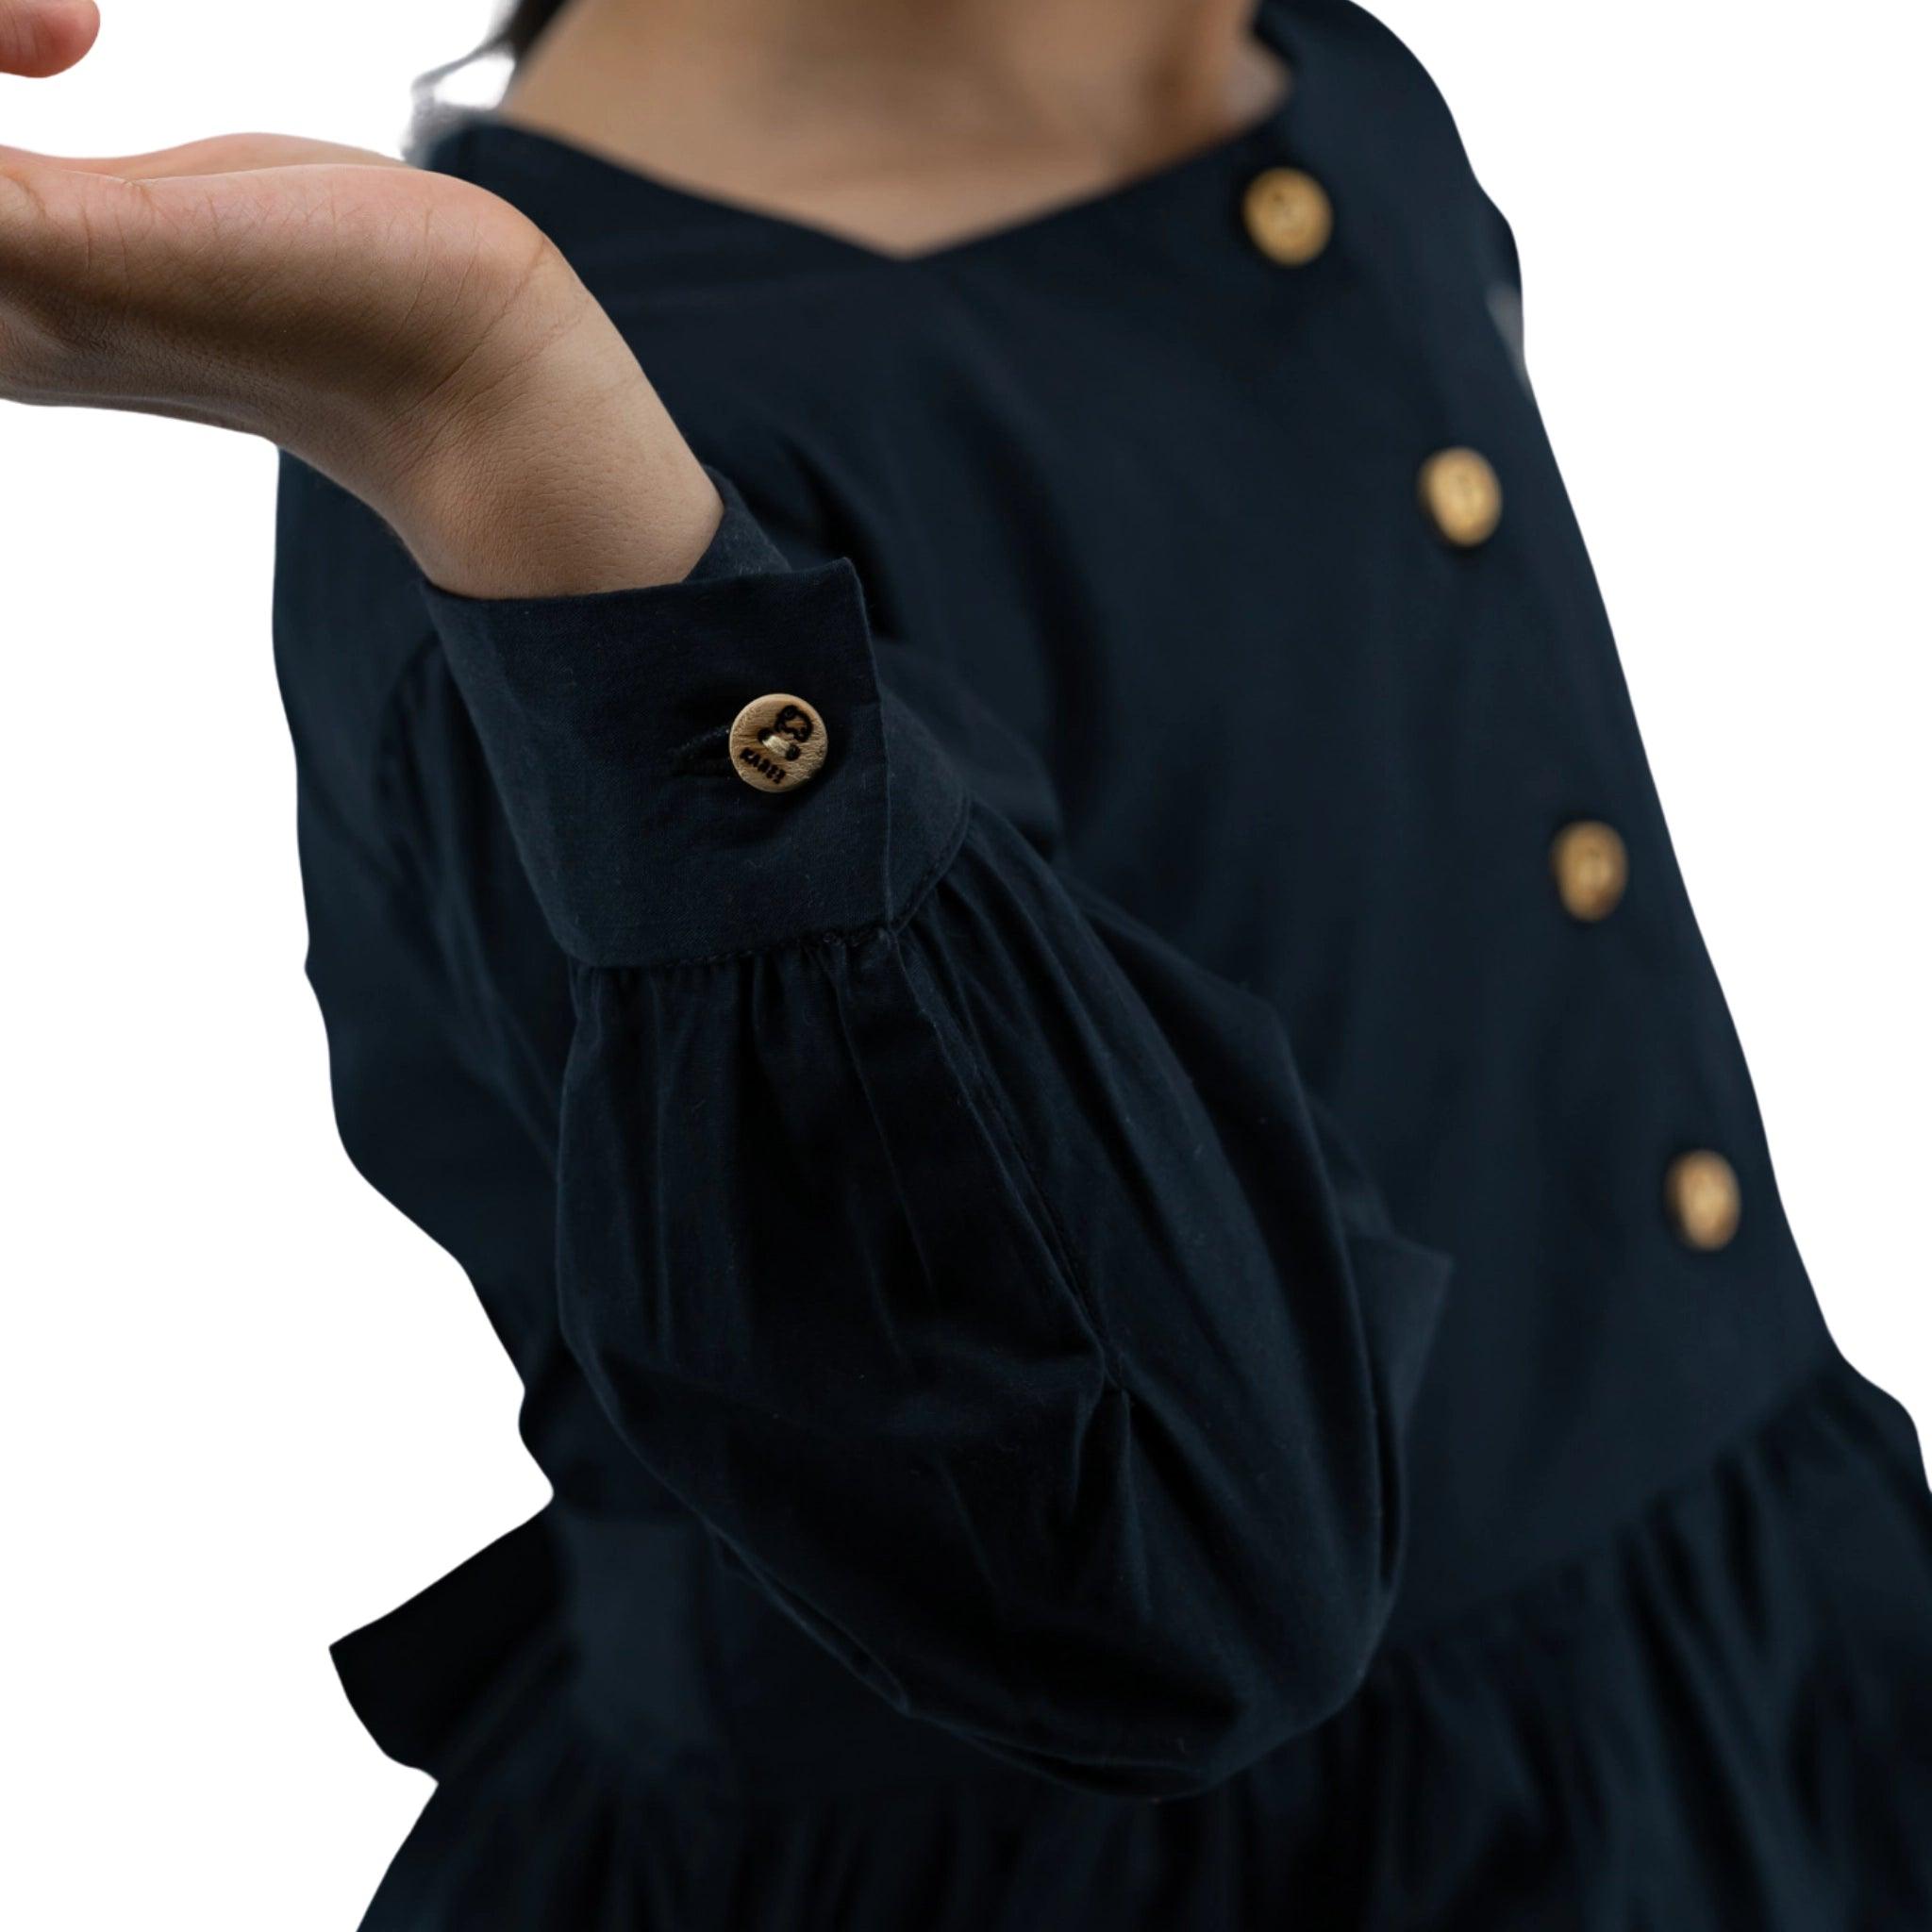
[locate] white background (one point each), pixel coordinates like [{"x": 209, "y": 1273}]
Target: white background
[{"x": 248, "y": 1407}]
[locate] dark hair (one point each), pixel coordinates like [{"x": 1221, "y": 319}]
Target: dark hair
[{"x": 523, "y": 24}]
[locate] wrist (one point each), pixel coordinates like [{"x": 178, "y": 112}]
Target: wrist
[{"x": 561, "y": 475}]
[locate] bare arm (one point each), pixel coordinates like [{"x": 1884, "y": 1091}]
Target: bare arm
[{"x": 411, "y": 336}]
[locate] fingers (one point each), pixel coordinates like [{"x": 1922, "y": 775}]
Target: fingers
[
  {"x": 42, "y": 37},
  {"x": 190, "y": 277},
  {"x": 223, "y": 154}
]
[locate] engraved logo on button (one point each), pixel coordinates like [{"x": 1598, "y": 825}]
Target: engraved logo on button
[{"x": 789, "y": 729}]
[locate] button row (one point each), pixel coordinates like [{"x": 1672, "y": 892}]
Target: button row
[
  {"x": 1589, "y": 859},
  {"x": 1290, "y": 220},
  {"x": 778, "y": 742},
  {"x": 1702, "y": 1199}
]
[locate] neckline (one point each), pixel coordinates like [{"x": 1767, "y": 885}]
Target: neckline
[{"x": 551, "y": 155}]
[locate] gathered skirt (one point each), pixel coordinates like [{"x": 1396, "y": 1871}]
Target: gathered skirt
[{"x": 1721, "y": 1718}]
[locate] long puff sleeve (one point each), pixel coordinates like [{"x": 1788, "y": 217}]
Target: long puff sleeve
[{"x": 973, "y": 1265}]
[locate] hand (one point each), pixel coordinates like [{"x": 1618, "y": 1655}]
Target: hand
[{"x": 411, "y": 336}]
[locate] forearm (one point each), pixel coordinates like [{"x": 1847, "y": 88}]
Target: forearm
[{"x": 414, "y": 338}]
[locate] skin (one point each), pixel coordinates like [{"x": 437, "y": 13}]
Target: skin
[
  {"x": 903, "y": 125},
  {"x": 423, "y": 343}
]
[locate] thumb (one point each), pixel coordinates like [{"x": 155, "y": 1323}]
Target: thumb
[{"x": 42, "y": 37}]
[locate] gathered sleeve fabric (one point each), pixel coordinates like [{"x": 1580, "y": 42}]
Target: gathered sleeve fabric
[{"x": 974, "y": 1266}]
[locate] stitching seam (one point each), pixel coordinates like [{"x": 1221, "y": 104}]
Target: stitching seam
[{"x": 848, "y": 936}]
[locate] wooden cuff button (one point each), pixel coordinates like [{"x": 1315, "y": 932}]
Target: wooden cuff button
[{"x": 778, "y": 742}]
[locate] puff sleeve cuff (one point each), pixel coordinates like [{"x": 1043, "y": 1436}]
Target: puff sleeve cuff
[{"x": 606, "y": 717}]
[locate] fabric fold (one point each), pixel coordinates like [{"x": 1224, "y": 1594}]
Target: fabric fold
[
  {"x": 427, "y": 1677},
  {"x": 1620, "y": 1765}
]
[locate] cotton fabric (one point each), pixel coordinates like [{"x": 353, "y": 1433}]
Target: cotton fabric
[{"x": 1093, "y": 1286}]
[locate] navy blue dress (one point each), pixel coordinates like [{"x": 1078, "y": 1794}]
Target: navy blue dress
[{"x": 1146, "y": 1274}]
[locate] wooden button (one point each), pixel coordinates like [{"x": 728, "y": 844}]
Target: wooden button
[
  {"x": 1591, "y": 869},
  {"x": 778, "y": 742},
  {"x": 1462, "y": 496},
  {"x": 1289, "y": 215},
  {"x": 1702, "y": 1198}
]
